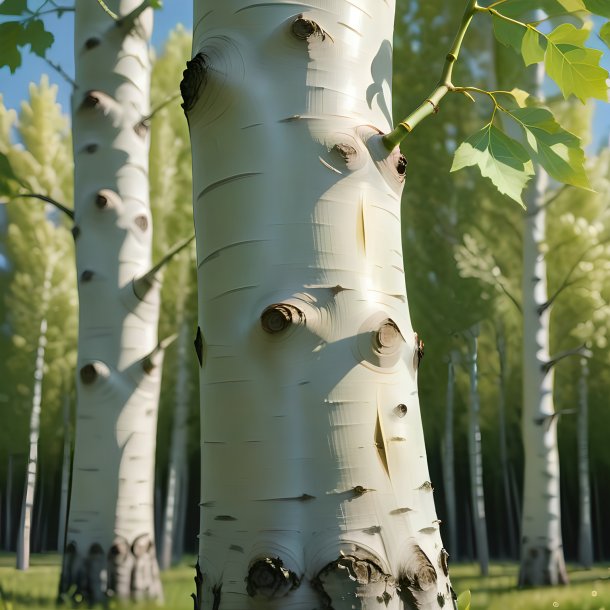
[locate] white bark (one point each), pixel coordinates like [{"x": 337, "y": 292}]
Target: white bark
[
  {"x": 315, "y": 486},
  {"x": 585, "y": 534},
  {"x": 27, "y": 507},
  {"x": 110, "y": 539},
  {"x": 542, "y": 560},
  {"x": 448, "y": 460},
  {"x": 8, "y": 515},
  {"x": 475, "y": 457},
  {"x": 176, "y": 477}
]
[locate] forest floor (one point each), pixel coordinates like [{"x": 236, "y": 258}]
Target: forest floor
[{"x": 36, "y": 589}]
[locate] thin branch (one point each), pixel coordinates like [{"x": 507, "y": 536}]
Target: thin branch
[
  {"x": 444, "y": 85},
  {"x": 143, "y": 284},
  {"x": 150, "y": 361},
  {"x": 556, "y": 195},
  {"x": 107, "y": 10},
  {"x": 129, "y": 20},
  {"x": 581, "y": 350},
  {"x": 61, "y": 72},
  {"x": 59, "y": 206},
  {"x": 145, "y": 121}
]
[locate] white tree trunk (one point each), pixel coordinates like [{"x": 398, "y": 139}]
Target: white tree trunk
[
  {"x": 475, "y": 457},
  {"x": 176, "y": 476},
  {"x": 65, "y": 475},
  {"x": 542, "y": 560},
  {"x": 8, "y": 515},
  {"x": 315, "y": 486},
  {"x": 27, "y": 507},
  {"x": 585, "y": 534},
  {"x": 449, "y": 461},
  {"x": 110, "y": 539}
]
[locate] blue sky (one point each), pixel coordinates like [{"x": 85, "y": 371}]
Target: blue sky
[{"x": 14, "y": 87}]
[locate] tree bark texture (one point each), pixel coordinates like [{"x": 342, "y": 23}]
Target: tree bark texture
[
  {"x": 64, "y": 492},
  {"x": 542, "y": 559},
  {"x": 475, "y": 456},
  {"x": 110, "y": 537},
  {"x": 315, "y": 486}
]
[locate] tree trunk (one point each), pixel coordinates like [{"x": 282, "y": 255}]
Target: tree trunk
[
  {"x": 65, "y": 475},
  {"x": 8, "y": 514},
  {"x": 176, "y": 479},
  {"x": 511, "y": 529},
  {"x": 542, "y": 560},
  {"x": 27, "y": 507},
  {"x": 110, "y": 538},
  {"x": 448, "y": 461},
  {"x": 315, "y": 486},
  {"x": 585, "y": 534},
  {"x": 475, "y": 457}
]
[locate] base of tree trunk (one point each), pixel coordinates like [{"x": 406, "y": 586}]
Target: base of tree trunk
[
  {"x": 541, "y": 567},
  {"x": 124, "y": 572}
]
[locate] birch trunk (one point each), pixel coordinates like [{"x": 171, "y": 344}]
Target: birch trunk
[
  {"x": 65, "y": 475},
  {"x": 315, "y": 486},
  {"x": 511, "y": 529},
  {"x": 542, "y": 560},
  {"x": 448, "y": 460},
  {"x": 8, "y": 516},
  {"x": 176, "y": 477},
  {"x": 110, "y": 537},
  {"x": 479, "y": 522},
  {"x": 585, "y": 534},
  {"x": 27, "y": 507}
]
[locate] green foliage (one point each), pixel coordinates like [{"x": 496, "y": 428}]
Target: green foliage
[
  {"x": 27, "y": 29},
  {"x": 463, "y": 600}
]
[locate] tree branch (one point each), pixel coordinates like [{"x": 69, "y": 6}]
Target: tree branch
[
  {"x": 129, "y": 20},
  {"x": 144, "y": 123},
  {"x": 151, "y": 361},
  {"x": 144, "y": 283},
  {"x": 62, "y": 208},
  {"x": 581, "y": 350},
  {"x": 430, "y": 106},
  {"x": 61, "y": 72}
]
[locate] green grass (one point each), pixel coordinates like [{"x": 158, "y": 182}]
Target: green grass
[{"x": 589, "y": 589}]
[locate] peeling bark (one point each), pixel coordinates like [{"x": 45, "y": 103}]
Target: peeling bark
[{"x": 316, "y": 491}]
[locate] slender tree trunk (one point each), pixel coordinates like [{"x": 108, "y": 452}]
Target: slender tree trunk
[
  {"x": 475, "y": 457},
  {"x": 448, "y": 461},
  {"x": 27, "y": 507},
  {"x": 585, "y": 534},
  {"x": 65, "y": 475},
  {"x": 315, "y": 486},
  {"x": 176, "y": 480},
  {"x": 511, "y": 528},
  {"x": 542, "y": 560},
  {"x": 110, "y": 539}
]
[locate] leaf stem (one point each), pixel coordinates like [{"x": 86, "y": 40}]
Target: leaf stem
[
  {"x": 107, "y": 10},
  {"x": 430, "y": 105},
  {"x": 59, "y": 206}
]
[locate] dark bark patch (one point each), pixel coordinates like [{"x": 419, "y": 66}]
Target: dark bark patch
[
  {"x": 346, "y": 152},
  {"x": 101, "y": 201},
  {"x": 440, "y": 599},
  {"x": 141, "y": 222},
  {"x": 75, "y": 232},
  {"x": 198, "y": 595},
  {"x": 91, "y": 43},
  {"x": 401, "y": 410},
  {"x": 400, "y": 511},
  {"x": 374, "y": 529},
  {"x": 224, "y": 518},
  {"x": 269, "y": 578},
  {"x": 380, "y": 444},
  {"x": 86, "y": 275},
  {"x": 418, "y": 575},
  {"x": 199, "y": 346},
  {"x": 88, "y": 374},
  {"x": 359, "y": 490},
  {"x": 91, "y": 99},
  {"x": 279, "y": 316},
  {"x": 443, "y": 561},
  {"x": 401, "y": 166},
  {"x": 305, "y": 29},
  {"x": 90, "y": 148},
  {"x": 193, "y": 79},
  {"x": 142, "y": 128},
  {"x": 236, "y": 548},
  {"x": 419, "y": 352}
]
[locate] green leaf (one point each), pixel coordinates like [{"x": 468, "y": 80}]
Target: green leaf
[
  {"x": 500, "y": 158},
  {"x": 507, "y": 33},
  {"x": 558, "y": 151},
  {"x": 464, "y": 600},
  {"x": 40, "y": 40},
  {"x": 13, "y": 7},
  {"x": 531, "y": 49},
  {"x": 599, "y": 7},
  {"x": 156, "y": 4},
  {"x": 12, "y": 36},
  {"x": 604, "y": 33},
  {"x": 573, "y": 67}
]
